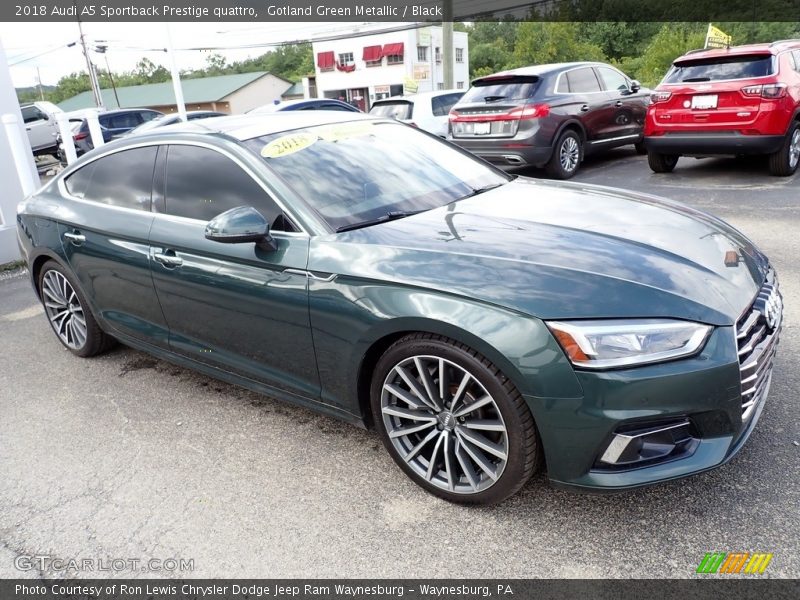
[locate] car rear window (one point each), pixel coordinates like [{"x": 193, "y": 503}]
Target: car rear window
[
  {"x": 512, "y": 87},
  {"x": 399, "y": 109},
  {"x": 720, "y": 68}
]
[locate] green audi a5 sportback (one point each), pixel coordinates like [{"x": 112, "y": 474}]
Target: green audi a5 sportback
[{"x": 486, "y": 325}]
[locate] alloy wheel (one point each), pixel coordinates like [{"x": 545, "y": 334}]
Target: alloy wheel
[
  {"x": 569, "y": 154},
  {"x": 444, "y": 424},
  {"x": 794, "y": 149},
  {"x": 64, "y": 310}
]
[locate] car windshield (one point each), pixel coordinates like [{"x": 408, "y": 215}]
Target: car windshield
[
  {"x": 399, "y": 109},
  {"x": 719, "y": 69},
  {"x": 513, "y": 87},
  {"x": 358, "y": 171}
]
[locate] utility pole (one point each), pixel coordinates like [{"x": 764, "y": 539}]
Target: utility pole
[
  {"x": 39, "y": 81},
  {"x": 102, "y": 48},
  {"x": 98, "y": 97},
  {"x": 447, "y": 44}
]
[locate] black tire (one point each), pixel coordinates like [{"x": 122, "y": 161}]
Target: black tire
[
  {"x": 641, "y": 149},
  {"x": 662, "y": 163},
  {"x": 567, "y": 156},
  {"x": 520, "y": 440},
  {"x": 95, "y": 340},
  {"x": 784, "y": 162}
]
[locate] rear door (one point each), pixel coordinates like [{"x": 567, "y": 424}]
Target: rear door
[
  {"x": 585, "y": 99},
  {"x": 236, "y": 307},
  {"x": 709, "y": 91},
  {"x": 106, "y": 243}
]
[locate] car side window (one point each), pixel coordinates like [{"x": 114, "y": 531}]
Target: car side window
[
  {"x": 202, "y": 183},
  {"x": 441, "y": 105},
  {"x": 124, "y": 121},
  {"x": 147, "y": 115},
  {"x": 31, "y": 114},
  {"x": 583, "y": 81},
  {"x": 613, "y": 81},
  {"x": 123, "y": 179}
]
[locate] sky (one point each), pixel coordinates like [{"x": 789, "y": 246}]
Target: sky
[{"x": 128, "y": 43}]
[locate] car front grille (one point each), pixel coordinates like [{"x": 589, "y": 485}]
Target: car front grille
[{"x": 757, "y": 333}]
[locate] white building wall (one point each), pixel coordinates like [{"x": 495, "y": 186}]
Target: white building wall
[
  {"x": 263, "y": 90},
  {"x": 427, "y": 74}
]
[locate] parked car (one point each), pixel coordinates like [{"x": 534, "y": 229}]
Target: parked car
[
  {"x": 743, "y": 100},
  {"x": 550, "y": 116},
  {"x": 480, "y": 321},
  {"x": 164, "y": 120},
  {"x": 41, "y": 126},
  {"x": 113, "y": 124},
  {"x": 304, "y": 104},
  {"x": 426, "y": 110}
]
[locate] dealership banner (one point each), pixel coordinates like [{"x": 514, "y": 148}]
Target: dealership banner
[
  {"x": 399, "y": 10},
  {"x": 381, "y": 589}
]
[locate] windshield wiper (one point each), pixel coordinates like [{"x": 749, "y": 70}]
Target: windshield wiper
[
  {"x": 493, "y": 98},
  {"x": 486, "y": 188},
  {"x": 390, "y": 216}
]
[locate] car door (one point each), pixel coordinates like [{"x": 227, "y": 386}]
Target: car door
[
  {"x": 236, "y": 307},
  {"x": 586, "y": 100},
  {"x": 629, "y": 108},
  {"x": 38, "y": 126},
  {"x": 105, "y": 241}
]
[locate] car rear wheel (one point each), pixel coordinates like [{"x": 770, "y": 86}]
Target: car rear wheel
[
  {"x": 68, "y": 312},
  {"x": 567, "y": 156},
  {"x": 662, "y": 163},
  {"x": 452, "y": 421},
  {"x": 784, "y": 162}
]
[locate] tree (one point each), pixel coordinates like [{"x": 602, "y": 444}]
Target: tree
[
  {"x": 672, "y": 40},
  {"x": 541, "y": 43}
]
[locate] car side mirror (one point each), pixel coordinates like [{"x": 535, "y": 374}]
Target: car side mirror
[
  {"x": 635, "y": 86},
  {"x": 241, "y": 225}
]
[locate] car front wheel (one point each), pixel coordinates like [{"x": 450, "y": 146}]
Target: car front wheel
[
  {"x": 68, "y": 312},
  {"x": 452, "y": 421},
  {"x": 662, "y": 163},
  {"x": 784, "y": 162}
]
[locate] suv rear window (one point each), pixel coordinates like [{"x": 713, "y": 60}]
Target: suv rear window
[
  {"x": 721, "y": 68},
  {"x": 512, "y": 87},
  {"x": 398, "y": 109}
]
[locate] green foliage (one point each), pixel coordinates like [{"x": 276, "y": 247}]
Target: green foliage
[
  {"x": 671, "y": 41},
  {"x": 540, "y": 43}
]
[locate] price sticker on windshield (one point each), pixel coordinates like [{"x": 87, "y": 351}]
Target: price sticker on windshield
[{"x": 288, "y": 144}]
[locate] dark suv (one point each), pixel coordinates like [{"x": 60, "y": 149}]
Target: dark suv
[
  {"x": 549, "y": 115},
  {"x": 739, "y": 101},
  {"x": 113, "y": 123}
]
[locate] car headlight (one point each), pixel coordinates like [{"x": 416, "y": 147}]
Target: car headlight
[{"x": 623, "y": 343}]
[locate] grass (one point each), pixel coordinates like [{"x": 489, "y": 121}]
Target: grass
[{"x": 17, "y": 264}]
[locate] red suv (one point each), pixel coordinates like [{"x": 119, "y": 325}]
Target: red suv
[{"x": 742, "y": 101}]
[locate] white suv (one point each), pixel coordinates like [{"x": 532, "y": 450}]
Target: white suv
[
  {"x": 41, "y": 127},
  {"x": 426, "y": 110}
]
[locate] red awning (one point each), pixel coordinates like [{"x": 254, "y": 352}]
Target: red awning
[
  {"x": 393, "y": 49},
  {"x": 372, "y": 53},
  {"x": 325, "y": 60}
]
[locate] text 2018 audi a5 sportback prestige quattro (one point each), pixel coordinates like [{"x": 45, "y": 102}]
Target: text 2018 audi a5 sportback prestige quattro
[{"x": 486, "y": 325}]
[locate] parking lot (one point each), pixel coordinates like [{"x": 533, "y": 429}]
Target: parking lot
[{"x": 124, "y": 456}]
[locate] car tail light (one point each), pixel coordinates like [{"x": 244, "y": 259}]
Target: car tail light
[
  {"x": 657, "y": 97},
  {"x": 529, "y": 111},
  {"x": 80, "y": 136},
  {"x": 767, "y": 90}
]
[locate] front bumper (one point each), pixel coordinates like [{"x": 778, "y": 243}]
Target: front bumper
[
  {"x": 713, "y": 143},
  {"x": 704, "y": 391}
]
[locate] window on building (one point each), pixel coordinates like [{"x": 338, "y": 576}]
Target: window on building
[
  {"x": 422, "y": 53},
  {"x": 437, "y": 54},
  {"x": 394, "y": 59},
  {"x": 459, "y": 85},
  {"x": 372, "y": 56},
  {"x": 346, "y": 58},
  {"x": 459, "y": 55}
]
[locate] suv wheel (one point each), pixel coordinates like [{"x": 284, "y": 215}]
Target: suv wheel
[
  {"x": 567, "y": 156},
  {"x": 662, "y": 163},
  {"x": 784, "y": 162}
]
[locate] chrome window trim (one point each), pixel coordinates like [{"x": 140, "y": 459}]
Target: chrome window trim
[{"x": 174, "y": 142}]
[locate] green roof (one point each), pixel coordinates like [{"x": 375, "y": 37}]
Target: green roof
[
  {"x": 195, "y": 91},
  {"x": 295, "y": 90}
]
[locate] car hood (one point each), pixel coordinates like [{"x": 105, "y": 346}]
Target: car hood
[{"x": 561, "y": 251}]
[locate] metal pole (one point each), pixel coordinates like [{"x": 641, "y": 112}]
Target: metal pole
[
  {"x": 176, "y": 76},
  {"x": 447, "y": 44},
  {"x": 98, "y": 97},
  {"x": 39, "y": 81}
]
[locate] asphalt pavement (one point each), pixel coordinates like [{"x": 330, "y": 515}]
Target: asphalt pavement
[{"x": 127, "y": 457}]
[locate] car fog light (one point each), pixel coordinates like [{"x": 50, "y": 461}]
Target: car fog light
[{"x": 649, "y": 445}]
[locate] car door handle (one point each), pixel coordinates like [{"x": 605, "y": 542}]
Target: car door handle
[
  {"x": 168, "y": 260},
  {"x": 76, "y": 238},
  {"x": 618, "y": 104},
  {"x": 585, "y": 108}
]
